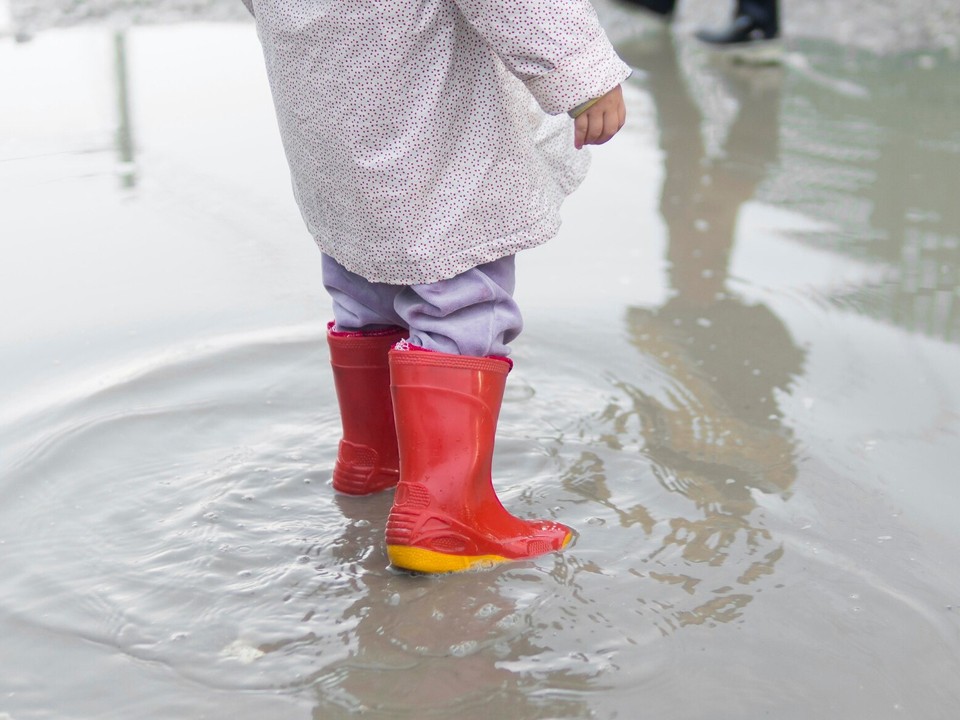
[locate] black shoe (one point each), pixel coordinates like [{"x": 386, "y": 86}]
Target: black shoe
[
  {"x": 663, "y": 8},
  {"x": 746, "y": 39}
]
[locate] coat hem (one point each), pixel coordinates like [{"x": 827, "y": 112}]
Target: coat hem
[{"x": 467, "y": 259}]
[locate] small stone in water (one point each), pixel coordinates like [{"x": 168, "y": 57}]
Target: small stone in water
[{"x": 239, "y": 650}]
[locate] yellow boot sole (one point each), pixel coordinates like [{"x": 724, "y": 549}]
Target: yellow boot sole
[{"x": 429, "y": 561}]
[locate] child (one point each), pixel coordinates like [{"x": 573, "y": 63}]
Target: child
[{"x": 422, "y": 163}]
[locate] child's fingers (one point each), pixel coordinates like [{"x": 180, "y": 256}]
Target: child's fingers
[
  {"x": 601, "y": 121},
  {"x": 601, "y": 135},
  {"x": 580, "y": 131},
  {"x": 602, "y": 127},
  {"x": 614, "y": 119},
  {"x": 586, "y": 130},
  {"x": 595, "y": 129},
  {"x": 611, "y": 124}
]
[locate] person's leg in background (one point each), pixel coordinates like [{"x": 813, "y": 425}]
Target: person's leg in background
[
  {"x": 756, "y": 23},
  {"x": 662, "y": 8},
  {"x": 765, "y": 13},
  {"x": 753, "y": 30}
]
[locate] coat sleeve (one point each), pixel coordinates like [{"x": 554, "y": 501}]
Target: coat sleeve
[{"x": 556, "y": 47}]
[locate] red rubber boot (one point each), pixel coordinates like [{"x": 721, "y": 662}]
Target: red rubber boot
[
  {"x": 367, "y": 459},
  {"x": 446, "y": 515}
]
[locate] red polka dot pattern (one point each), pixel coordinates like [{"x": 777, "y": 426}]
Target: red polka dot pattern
[{"x": 426, "y": 137}]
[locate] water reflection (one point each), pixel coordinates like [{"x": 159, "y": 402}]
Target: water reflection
[
  {"x": 419, "y": 645},
  {"x": 874, "y": 152},
  {"x": 710, "y": 425},
  {"x": 125, "y": 146}
]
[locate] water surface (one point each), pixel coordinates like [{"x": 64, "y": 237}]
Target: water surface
[{"x": 738, "y": 381}]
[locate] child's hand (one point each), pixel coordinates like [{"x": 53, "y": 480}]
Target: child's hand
[{"x": 601, "y": 121}]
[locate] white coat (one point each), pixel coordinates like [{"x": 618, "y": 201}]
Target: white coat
[{"x": 419, "y": 132}]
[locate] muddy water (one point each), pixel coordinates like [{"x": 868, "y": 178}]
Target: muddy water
[{"x": 739, "y": 381}]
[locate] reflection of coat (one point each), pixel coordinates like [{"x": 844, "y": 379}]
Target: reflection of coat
[{"x": 416, "y": 148}]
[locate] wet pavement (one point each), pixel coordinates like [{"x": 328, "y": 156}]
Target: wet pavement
[
  {"x": 881, "y": 26},
  {"x": 748, "y": 406}
]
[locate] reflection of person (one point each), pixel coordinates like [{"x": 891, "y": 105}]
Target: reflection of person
[
  {"x": 730, "y": 356},
  {"x": 755, "y": 25},
  {"x": 422, "y": 165},
  {"x": 712, "y": 431}
]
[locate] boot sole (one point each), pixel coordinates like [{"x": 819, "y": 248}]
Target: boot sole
[{"x": 421, "y": 560}]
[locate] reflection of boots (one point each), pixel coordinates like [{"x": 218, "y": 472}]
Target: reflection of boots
[
  {"x": 367, "y": 459},
  {"x": 446, "y": 515}
]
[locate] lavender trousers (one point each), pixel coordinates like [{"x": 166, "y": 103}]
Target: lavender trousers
[{"x": 472, "y": 313}]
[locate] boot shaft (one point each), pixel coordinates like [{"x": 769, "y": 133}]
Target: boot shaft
[
  {"x": 446, "y": 409},
  {"x": 367, "y": 457},
  {"x": 361, "y": 375}
]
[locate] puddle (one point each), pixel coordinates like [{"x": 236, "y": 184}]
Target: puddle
[{"x": 738, "y": 382}]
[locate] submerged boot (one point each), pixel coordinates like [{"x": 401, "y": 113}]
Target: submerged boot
[
  {"x": 446, "y": 515},
  {"x": 367, "y": 459}
]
